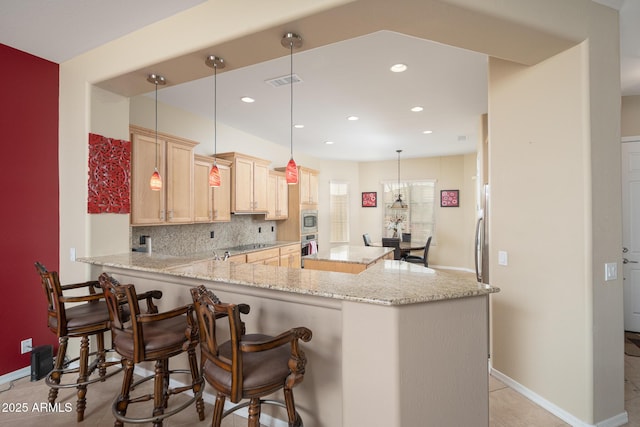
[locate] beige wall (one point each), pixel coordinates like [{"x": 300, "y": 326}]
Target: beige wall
[{"x": 555, "y": 274}]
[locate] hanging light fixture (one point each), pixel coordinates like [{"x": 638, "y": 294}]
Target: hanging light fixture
[
  {"x": 156, "y": 179},
  {"x": 215, "y": 62},
  {"x": 399, "y": 203},
  {"x": 291, "y": 40}
]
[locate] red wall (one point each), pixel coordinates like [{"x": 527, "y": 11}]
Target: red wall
[{"x": 29, "y": 217}]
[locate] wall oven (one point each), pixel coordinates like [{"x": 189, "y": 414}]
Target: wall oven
[
  {"x": 309, "y": 245},
  {"x": 308, "y": 221}
]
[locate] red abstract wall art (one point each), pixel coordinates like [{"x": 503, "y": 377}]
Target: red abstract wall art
[{"x": 109, "y": 175}]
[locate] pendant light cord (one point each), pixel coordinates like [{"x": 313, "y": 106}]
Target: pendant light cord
[
  {"x": 215, "y": 112},
  {"x": 291, "y": 95},
  {"x": 156, "y": 83}
]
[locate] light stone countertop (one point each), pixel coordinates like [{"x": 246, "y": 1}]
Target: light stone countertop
[
  {"x": 350, "y": 254},
  {"x": 386, "y": 283}
]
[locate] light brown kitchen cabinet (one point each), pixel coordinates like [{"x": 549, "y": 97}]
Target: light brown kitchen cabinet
[
  {"x": 174, "y": 203},
  {"x": 277, "y": 196},
  {"x": 211, "y": 204},
  {"x": 308, "y": 181},
  {"x": 266, "y": 257},
  {"x": 249, "y": 183},
  {"x": 290, "y": 256}
]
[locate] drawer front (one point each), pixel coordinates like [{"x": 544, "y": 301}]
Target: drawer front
[
  {"x": 262, "y": 255},
  {"x": 292, "y": 249},
  {"x": 242, "y": 258}
]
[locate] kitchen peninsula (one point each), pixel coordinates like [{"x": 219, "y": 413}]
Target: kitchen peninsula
[
  {"x": 347, "y": 259},
  {"x": 408, "y": 341}
]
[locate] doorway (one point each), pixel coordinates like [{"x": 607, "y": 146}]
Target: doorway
[{"x": 631, "y": 232}]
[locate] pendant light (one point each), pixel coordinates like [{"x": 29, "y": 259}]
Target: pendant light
[
  {"x": 399, "y": 203},
  {"x": 215, "y": 62},
  {"x": 291, "y": 40},
  {"x": 156, "y": 179}
]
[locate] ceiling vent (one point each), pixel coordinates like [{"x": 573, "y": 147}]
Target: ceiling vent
[{"x": 284, "y": 80}]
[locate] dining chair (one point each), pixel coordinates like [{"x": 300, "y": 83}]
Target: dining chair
[
  {"x": 393, "y": 242},
  {"x": 424, "y": 258},
  {"x": 367, "y": 239},
  {"x": 406, "y": 237}
]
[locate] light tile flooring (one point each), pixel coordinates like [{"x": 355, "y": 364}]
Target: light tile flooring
[{"x": 507, "y": 408}]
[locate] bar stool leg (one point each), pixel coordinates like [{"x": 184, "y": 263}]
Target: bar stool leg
[
  {"x": 56, "y": 374},
  {"x": 159, "y": 390},
  {"x": 101, "y": 356},
  {"x": 254, "y": 412},
  {"x": 217, "y": 410},
  {"x": 82, "y": 377},
  {"x": 196, "y": 380},
  {"x": 121, "y": 404},
  {"x": 294, "y": 418}
]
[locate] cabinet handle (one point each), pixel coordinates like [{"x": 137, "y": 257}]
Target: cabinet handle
[
  {"x": 162, "y": 215},
  {"x": 215, "y": 213},
  {"x": 171, "y": 215}
]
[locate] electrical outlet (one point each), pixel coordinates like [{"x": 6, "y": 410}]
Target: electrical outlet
[
  {"x": 211, "y": 234},
  {"x": 72, "y": 254},
  {"x": 503, "y": 258},
  {"x": 610, "y": 271},
  {"x": 26, "y": 346}
]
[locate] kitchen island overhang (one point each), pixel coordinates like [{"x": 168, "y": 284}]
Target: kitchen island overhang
[{"x": 408, "y": 341}]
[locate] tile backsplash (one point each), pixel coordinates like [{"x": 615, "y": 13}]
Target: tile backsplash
[{"x": 192, "y": 238}]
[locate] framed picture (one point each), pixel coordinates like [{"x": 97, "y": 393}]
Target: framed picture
[
  {"x": 449, "y": 198},
  {"x": 369, "y": 199}
]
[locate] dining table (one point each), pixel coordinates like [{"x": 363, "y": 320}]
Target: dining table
[{"x": 405, "y": 246}]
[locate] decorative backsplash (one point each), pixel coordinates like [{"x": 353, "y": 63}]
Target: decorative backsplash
[{"x": 193, "y": 238}]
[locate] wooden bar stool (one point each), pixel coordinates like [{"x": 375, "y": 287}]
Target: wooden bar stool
[
  {"x": 247, "y": 366},
  {"x": 86, "y": 316},
  {"x": 155, "y": 337}
]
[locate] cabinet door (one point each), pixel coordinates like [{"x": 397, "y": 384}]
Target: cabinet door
[
  {"x": 222, "y": 196},
  {"x": 147, "y": 206},
  {"x": 282, "y": 208},
  {"x": 313, "y": 189},
  {"x": 179, "y": 183},
  {"x": 260, "y": 184},
  {"x": 303, "y": 182},
  {"x": 243, "y": 192},
  {"x": 202, "y": 194},
  {"x": 272, "y": 197}
]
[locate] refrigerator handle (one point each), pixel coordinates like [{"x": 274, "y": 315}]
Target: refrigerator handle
[{"x": 479, "y": 250}]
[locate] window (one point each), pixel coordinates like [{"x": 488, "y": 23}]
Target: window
[
  {"x": 419, "y": 218},
  {"x": 339, "y": 208}
]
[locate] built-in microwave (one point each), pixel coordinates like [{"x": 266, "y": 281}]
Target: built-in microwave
[{"x": 308, "y": 221}]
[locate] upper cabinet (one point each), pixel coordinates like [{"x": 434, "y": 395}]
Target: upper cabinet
[
  {"x": 308, "y": 181},
  {"x": 249, "y": 183},
  {"x": 277, "y": 196},
  {"x": 174, "y": 203},
  {"x": 211, "y": 204}
]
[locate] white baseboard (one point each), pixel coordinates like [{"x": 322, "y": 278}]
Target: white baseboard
[
  {"x": 15, "y": 375},
  {"x": 565, "y": 416}
]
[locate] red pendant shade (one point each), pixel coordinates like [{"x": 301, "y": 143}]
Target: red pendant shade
[
  {"x": 156, "y": 181},
  {"x": 214, "y": 176},
  {"x": 291, "y": 172}
]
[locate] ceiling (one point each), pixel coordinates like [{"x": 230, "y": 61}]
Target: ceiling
[{"x": 338, "y": 80}]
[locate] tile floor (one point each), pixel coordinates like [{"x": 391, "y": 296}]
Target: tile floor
[{"x": 507, "y": 408}]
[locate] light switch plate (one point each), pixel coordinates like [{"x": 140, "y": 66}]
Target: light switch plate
[
  {"x": 503, "y": 258},
  {"x": 610, "y": 271}
]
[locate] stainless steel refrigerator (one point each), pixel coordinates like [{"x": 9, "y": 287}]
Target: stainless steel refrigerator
[{"x": 482, "y": 236}]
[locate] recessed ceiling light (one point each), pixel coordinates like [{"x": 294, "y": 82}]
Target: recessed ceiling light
[
  {"x": 328, "y": 142},
  {"x": 426, "y": 132},
  {"x": 417, "y": 109},
  {"x": 298, "y": 126},
  {"x": 398, "y": 68},
  {"x": 353, "y": 118},
  {"x": 247, "y": 99}
]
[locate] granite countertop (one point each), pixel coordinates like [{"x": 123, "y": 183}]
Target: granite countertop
[
  {"x": 386, "y": 283},
  {"x": 350, "y": 254}
]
